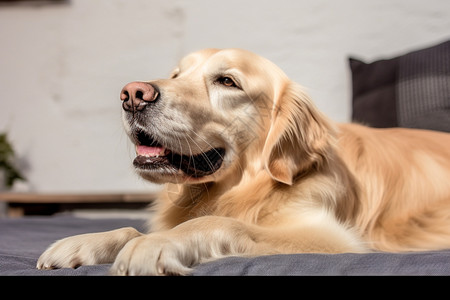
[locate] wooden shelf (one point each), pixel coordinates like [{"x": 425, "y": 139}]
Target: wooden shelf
[
  {"x": 74, "y": 198},
  {"x": 19, "y": 204}
]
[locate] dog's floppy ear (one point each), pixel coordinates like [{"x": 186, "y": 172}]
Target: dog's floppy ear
[{"x": 299, "y": 137}]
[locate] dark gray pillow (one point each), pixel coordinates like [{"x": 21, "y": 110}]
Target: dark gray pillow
[{"x": 411, "y": 90}]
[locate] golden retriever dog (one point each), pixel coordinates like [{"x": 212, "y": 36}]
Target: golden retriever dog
[{"x": 253, "y": 168}]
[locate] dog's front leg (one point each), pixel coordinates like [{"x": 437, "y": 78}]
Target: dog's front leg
[
  {"x": 176, "y": 251},
  {"x": 86, "y": 249}
]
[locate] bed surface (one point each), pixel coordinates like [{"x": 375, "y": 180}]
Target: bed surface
[{"x": 22, "y": 240}]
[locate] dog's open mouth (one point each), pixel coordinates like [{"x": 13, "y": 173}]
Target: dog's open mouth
[{"x": 151, "y": 155}]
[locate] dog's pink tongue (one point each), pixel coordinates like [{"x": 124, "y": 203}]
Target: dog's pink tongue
[{"x": 150, "y": 151}]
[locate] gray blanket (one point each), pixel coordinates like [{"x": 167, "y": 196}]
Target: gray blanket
[{"x": 23, "y": 240}]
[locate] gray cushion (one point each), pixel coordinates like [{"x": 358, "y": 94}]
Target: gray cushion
[
  {"x": 23, "y": 240},
  {"x": 411, "y": 90}
]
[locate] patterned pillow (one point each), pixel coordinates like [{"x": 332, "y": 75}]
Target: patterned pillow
[{"x": 412, "y": 90}]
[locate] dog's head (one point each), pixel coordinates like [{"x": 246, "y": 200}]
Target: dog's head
[{"x": 222, "y": 110}]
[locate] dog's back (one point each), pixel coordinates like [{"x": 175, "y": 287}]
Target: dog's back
[{"x": 404, "y": 184}]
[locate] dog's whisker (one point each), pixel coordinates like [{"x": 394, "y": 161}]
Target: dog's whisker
[
  {"x": 181, "y": 150},
  {"x": 206, "y": 142},
  {"x": 241, "y": 168},
  {"x": 190, "y": 154},
  {"x": 203, "y": 154}
]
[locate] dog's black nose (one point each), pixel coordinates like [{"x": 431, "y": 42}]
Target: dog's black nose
[{"x": 136, "y": 95}]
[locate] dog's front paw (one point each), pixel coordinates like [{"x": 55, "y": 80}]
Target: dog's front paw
[
  {"x": 154, "y": 255},
  {"x": 70, "y": 252},
  {"x": 86, "y": 249}
]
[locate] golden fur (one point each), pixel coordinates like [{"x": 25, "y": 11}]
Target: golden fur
[{"x": 291, "y": 181}]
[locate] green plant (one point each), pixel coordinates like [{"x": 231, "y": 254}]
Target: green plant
[{"x": 6, "y": 162}]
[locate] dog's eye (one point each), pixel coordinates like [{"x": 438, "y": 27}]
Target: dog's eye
[{"x": 226, "y": 81}]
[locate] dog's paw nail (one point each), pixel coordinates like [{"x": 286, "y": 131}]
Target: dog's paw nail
[
  {"x": 160, "y": 269},
  {"x": 121, "y": 269}
]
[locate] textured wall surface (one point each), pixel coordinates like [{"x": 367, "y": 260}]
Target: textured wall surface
[{"x": 62, "y": 67}]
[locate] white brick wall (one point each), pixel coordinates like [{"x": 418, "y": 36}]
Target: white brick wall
[{"x": 62, "y": 67}]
